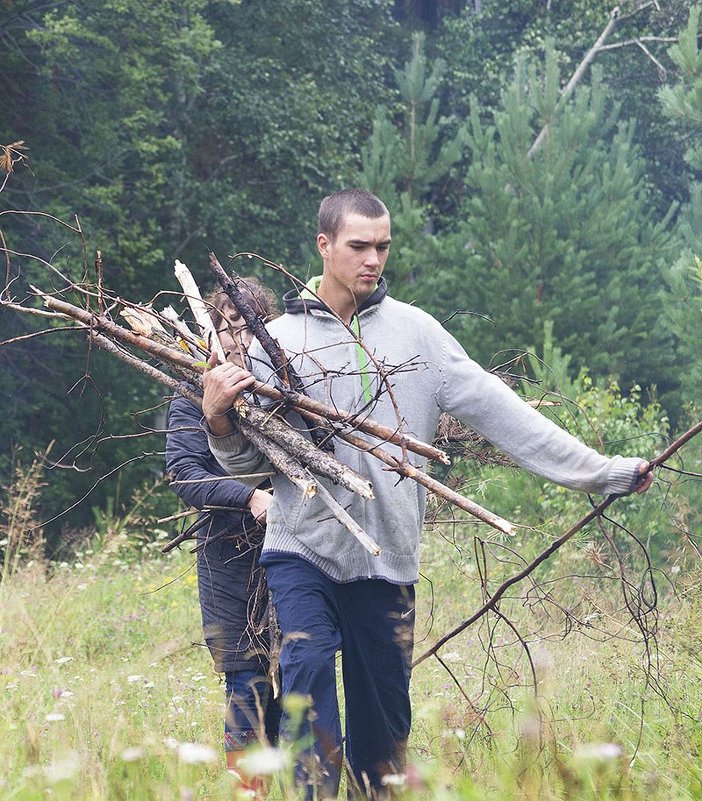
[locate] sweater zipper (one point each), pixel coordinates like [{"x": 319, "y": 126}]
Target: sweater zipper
[{"x": 363, "y": 360}]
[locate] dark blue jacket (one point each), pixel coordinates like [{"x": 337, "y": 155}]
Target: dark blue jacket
[{"x": 227, "y": 567}]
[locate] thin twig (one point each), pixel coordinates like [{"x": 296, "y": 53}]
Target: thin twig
[{"x": 494, "y": 599}]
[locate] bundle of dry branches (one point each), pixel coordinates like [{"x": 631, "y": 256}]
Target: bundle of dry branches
[{"x": 181, "y": 347}]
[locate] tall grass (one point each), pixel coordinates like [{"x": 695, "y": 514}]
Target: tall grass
[
  {"x": 103, "y": 689},
  {"x": 577, "y": 688},
  {"x": 20, "y": 536}
]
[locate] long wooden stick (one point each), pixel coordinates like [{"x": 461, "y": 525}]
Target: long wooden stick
[
  {"x": 420, "y": 476},
  {"x": 179, "y": 358},
  {"x": 292, "y": 440},
  {"x": 494, "y": 599},
  {"x": 256, "y": 326},
  {"x": 283, "y": 369},
  {"x": 303, "y": 403},
  {"x": 198, "y": 308}
]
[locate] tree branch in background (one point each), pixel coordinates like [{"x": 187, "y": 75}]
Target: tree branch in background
[{"x": 615, "y": 17}]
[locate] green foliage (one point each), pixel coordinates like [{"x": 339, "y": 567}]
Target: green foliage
[
  {"x": 408, "y": 161},
  {"x": 566, "y": 235},
  {"x": 482, "y": 47},
  {"x": 683, "y": 306},
  {"x": 20, "y": 532},
  {"x": 683, "y": 100},
  {"x": 409, "y": 156},
  {"x": 169, "y": 129}
]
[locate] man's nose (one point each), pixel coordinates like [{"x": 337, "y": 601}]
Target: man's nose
[{"x": 372, "y": 258}]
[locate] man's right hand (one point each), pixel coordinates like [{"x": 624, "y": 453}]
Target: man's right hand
[
  {"x": 222, "y": 384},
  {"x": 258, "y": 504}
]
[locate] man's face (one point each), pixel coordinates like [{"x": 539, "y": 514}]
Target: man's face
[
  {"x": 355, "y": 260},
  {"x": 234, "y": 334}
]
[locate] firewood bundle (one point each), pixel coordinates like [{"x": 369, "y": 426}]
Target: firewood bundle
[{"x": 182, "y": 347}]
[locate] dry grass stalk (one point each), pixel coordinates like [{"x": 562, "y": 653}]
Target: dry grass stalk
[{"x": 22, "y": 537}]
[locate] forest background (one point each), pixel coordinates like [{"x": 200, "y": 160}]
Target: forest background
[
  {"x": 557, "y": 233},
  {"x": 171, "y": 129}
]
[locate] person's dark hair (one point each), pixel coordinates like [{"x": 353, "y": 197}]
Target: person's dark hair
[
  {"x": 334, "y": 208},
  {"x": 262, "y": 299}
]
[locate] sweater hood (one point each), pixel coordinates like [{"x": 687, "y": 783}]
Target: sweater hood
[{"x": 300, "y": 301}]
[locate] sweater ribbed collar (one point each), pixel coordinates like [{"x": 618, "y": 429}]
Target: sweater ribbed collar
[{"x": 300, "y": 301}]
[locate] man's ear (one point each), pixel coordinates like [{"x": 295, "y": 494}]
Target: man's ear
[{"x": 323, "y": 243}]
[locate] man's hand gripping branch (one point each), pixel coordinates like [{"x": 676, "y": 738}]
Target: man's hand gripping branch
[{"x": 222, "y": 384}]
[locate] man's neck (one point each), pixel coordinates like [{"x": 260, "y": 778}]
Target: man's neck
[{"x": 343, "y": 302}]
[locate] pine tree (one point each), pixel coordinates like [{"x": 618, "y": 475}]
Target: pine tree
[
  {"x": 566, "y": 235},
  {"x": 408, "y": 161},
  {"x": 682, "y": 102}
]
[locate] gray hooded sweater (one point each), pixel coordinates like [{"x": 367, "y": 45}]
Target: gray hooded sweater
[{"x": 419, "y": 370}]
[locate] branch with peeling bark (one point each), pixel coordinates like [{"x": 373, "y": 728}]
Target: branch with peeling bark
[
  {"x": 256, "y": 423},
  {"x": 616, "y": 15}
]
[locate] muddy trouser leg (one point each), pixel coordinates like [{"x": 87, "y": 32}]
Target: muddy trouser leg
[
  {"x": 305, "y": 606},
  {"x": 377, "y": 628}
]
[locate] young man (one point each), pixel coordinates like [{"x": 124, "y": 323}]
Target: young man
[
  {"x": 329, "y": 593},
  {"x": 230, "y": 536}
]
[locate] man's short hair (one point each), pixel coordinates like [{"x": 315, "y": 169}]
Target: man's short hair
[
  {"x": 260, "y": 298},
  {"x": 334, "y": 208}
]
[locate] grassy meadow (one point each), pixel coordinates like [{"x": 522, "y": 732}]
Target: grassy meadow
[
  {"x": 584, "y": 684},
  {"x": 106, "y": 694}
]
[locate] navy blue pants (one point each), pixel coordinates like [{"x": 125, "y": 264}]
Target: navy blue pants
[
  {"x": 249, "y": 691},
  {"x": 372, "y": 622}
]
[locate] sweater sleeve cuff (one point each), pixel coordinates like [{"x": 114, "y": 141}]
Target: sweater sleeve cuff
[
  {"x": 624, "y": 475},
  {"x": 231, "y": 443}
]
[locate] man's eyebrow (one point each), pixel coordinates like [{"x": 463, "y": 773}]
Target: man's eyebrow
[{"x": 368, "y": 241}]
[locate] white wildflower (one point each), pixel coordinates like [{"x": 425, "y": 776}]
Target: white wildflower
[
  {"x": 194, "y": 753},
  {"x": 134, "y": 678},
  {"x": 263, "y": 761},
  {"x": 543, "y": 661},
  {"x": 393, "y": 780},
  {"x": 62, "y": 660},
  {"x": 452, "y": 656},
  {"x": 63, "y": 769},
  {"x": 599, "y": 751},
  {"x": 54, "y": 716},
  {"x": 132, "y": 754}
]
